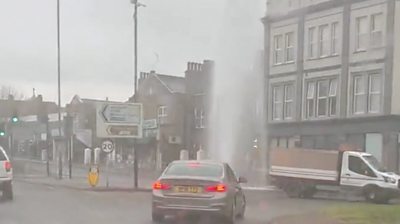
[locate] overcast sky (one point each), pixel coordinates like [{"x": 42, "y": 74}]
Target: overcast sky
[{"x": 97, "y": 41}]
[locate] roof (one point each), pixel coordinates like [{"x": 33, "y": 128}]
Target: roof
[
  {"x": 174, "y": 84},
  {"x": 76, "y": 100},
  {"x": 210, "y": 162}
]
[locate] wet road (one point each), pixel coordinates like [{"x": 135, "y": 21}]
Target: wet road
[{"x": 41, "y": 204}]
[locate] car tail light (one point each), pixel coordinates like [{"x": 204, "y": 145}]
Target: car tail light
[
  {"x": 217, "y": 188},
  {"x": 158, "y": 185},
  {"x": 7, "y": 166}
]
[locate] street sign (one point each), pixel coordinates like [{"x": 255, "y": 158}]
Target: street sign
[
  {"x": 107, "y": 146},
  {"x": 150, "y": 124},
  {"x": 119, "y": 120}
]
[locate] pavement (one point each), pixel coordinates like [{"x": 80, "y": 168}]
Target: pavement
[
  {"x": 120, "y": 178},
  {"x": 45, "y": 204}
]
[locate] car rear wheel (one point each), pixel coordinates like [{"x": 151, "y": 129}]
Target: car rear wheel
[
  {"x": 243, "y": 210},
  {"x": 231, "y": 218},
  {"x": 157, "y": 217},
  {"x": 7, "y": 191}
]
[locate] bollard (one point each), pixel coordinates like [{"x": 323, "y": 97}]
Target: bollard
[
  {"x": 201, "y": 154},
  {"x": 87, "y": 157},
  {"x": 44, "y": 155},
  {"x": 184, "y": 155},
  {"x": 97, "y": 156}
]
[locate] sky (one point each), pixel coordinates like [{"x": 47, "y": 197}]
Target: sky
[{"x": 97, "y": 42}]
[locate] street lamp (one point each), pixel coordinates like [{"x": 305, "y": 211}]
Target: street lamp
[
  {"x": 136, "y": 4},
  {"x": 59, "y": 82}
]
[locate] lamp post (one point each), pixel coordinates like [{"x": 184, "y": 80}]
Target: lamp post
[
  {"x": 136, "y": 4},
  {"x": 59, "y": 83}
]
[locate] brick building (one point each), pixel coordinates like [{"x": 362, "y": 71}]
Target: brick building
[
  {"x": 163, "y": 99},
  {"x": 198, "y": 78}
]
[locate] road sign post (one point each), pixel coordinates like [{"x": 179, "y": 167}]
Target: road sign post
[
  {"x": 120, "y": 120},
  {"x": 108, "y": 147}
]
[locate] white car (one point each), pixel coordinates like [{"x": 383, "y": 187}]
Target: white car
[{"x": 5, "y": 175}]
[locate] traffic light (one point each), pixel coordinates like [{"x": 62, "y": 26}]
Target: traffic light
[
  {"x": 14, "y": 119},
  {"x": 255, "y": 143},
  {"x": 2, "y": 130}
]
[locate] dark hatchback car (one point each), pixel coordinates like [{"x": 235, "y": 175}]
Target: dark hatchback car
[{"x": 200, "y": 188}]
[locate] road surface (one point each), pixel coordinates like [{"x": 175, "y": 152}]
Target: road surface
[{"x": 45, "y": 204}]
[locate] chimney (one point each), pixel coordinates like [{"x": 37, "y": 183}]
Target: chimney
[
  {"x": 194, "y": 67},
  {"x": 208, "y": 65}
]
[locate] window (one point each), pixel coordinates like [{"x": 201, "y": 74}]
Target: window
[
  {"x": 2, "y": 156},
  {"x": 199, "y": 116},
  {"x": 359, "y": 95},
  {"x": 374, "y": 93},
  {"x": 162, "y": 114},
  {"x": 312, "y": 43},
  {"x": 376, "y": 30},
  {"x": 367, "y": 93},
  {"x": 278, "y": 49},
  {"x": 277, "y": 103},
  {"x": 335, "y": 38},
  {"x": 231, "y": 175},
  {"x": 361, "y": 33},
  {"x": 323, "y": 41},
  {"x": 321, "y": 98},
  {"x": 289, "y": 47},
  {"x": 288, "y": 106},
  {"x": 332, "y": 97},
  {"x": 310, "y": 99},
  {"x": 357, "y": 165},
  {"x": 283, "y": 102},
  {"x": 284, "y": 49},
  {"x": 322, "y": 102},
  {"x": 194, "y": 169}
]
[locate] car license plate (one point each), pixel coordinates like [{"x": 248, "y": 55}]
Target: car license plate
[{"x": 188, "y": 189}]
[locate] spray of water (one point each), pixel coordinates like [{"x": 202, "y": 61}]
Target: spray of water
[{"x": 236, "y": 82}]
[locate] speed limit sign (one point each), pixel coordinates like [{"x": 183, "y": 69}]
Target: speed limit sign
[{"x": 107, "y": 146}]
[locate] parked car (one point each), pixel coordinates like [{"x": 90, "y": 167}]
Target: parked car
[
  {"x": 198, "y": 187},
  {"x": 6, "y": 175}
]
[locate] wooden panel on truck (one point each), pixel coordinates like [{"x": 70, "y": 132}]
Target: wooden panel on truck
[{"x": 305, "y": 163}]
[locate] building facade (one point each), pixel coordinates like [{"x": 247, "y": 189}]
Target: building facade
[
  {"x": 163, "y": 98},
  {"x": 331, "y": 76},
  {"x": 198, "y": 105}
]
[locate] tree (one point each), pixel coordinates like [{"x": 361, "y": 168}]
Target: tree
[{"x": 7, "y": 91}]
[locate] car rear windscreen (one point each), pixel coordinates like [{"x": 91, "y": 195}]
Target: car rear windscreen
[{"x": 195, "y": 169}]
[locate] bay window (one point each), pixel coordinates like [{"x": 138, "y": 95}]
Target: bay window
[
  {"x": 321, "y": 98},
  {"x": 283, "y": 101},
  {"x": 367, "y": 93}
]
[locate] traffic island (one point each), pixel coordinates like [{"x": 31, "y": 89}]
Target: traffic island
[
  {"x": 351, "y": 213},
  {"x": 313, "y": 218},
  {"x": 365, "y": 213}
]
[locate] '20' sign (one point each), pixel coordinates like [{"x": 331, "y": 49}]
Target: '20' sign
[{"x": 107, "y": 146}]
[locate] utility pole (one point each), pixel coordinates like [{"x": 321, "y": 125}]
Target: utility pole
[
  {"x": 59, "y": 85},
  {"x": 135, "y": 154},
  {"x": 48, "y": 136},
  {"x": 135, "y": 18}
]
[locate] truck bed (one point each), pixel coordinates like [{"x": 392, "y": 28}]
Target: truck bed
[{"x": 305, "y": 164}]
